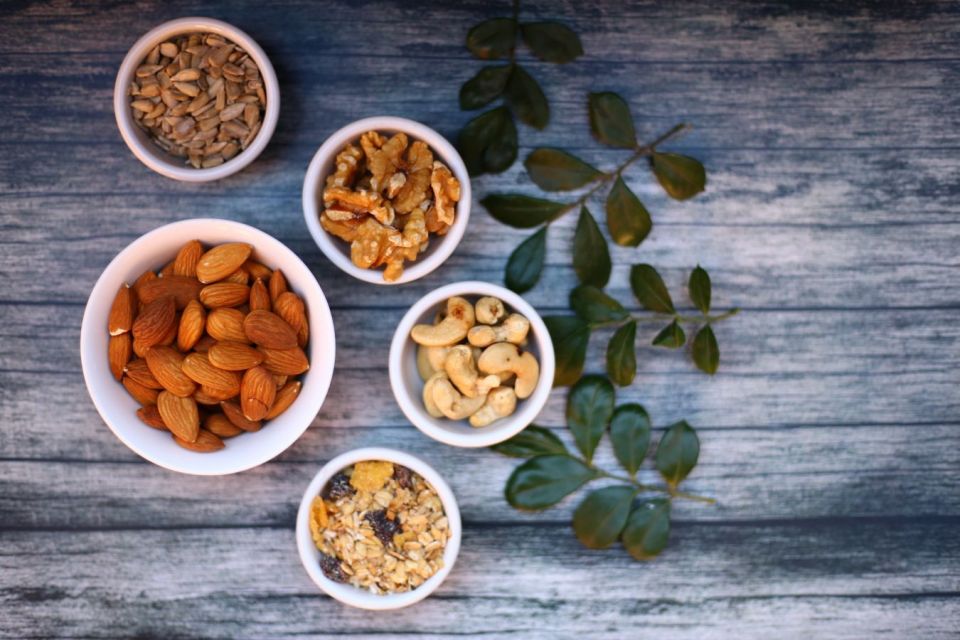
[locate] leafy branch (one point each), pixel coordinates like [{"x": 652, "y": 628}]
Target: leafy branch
[{"x": 636, "y": 513}]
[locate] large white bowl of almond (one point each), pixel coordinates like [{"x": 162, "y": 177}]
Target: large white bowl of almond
[
  {"x": 386, "y": 199},
  {"x": 378, "y": 529},
  {"x": 207, "y": 346}
]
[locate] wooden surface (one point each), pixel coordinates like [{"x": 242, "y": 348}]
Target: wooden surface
[{"x": 831, "y": 134}]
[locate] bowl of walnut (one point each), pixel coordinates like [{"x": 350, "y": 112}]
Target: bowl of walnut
[
  {"x": 207, "y": 346},
  {"x": 386, "y": 199},
  {"x": 196, "y": 99},
  {"x": 378, "y": 529}
]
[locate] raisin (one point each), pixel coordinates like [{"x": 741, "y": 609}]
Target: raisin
[
  {"x": 331, "y": 568},
  {"x": 403, "y": 476},
  {"x": 383, "y": 527},
  {"x": 338, "y": 487}
]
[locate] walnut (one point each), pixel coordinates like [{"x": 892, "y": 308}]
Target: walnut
[
  {"x": 348, "y": 164},
  {"x": 404, "y": 174},
  {"x": 359, "y": 201},
  {"x": 434, "y": 223},
  {"x": 446, "y": 192},
  {"x": 372, "y": 243},
  {"x": 418, "y": 163},
  {"x": 386, "y": 160},
  {"x": 371, "y": 141},
  {"x": 345, "y": 228}
]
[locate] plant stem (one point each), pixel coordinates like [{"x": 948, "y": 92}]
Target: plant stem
[{"x": 640, "y": 487}]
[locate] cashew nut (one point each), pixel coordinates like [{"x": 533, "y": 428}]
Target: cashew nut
[
  {"x": 424, "y": 368},
  {"x": 489, "y": 310},
  {"x": 428, "y": 402},
  {"x": 436, "y": 356},
  {"x": 462, "y": 371},
  {"x": 453, "y": 405},
  {"x": 452, "y": 329},
  {"x": 514, "y": 329},
  {"x": 501, "y": 402},
  {"x": 504, "y": 356}
]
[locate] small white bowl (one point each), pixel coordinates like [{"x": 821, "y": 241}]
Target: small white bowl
[
  {"x": 348, "y": 594},
  {"x": 408, "y": 386},
  {"x": 336, "y": 249},
  {"x": 118, "y": 408},
  {"x": 139, "y": 141}
]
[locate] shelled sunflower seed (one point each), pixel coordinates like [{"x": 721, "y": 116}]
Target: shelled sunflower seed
[{"x": 200, "y": 97}]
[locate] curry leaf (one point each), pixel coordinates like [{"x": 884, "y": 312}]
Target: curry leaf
[
  {"x": 526, "y": 98},
  {"x": 532, "y": 441},
  {"x": 627, "y": 219},
  {"x": 610, "y": 120},
  {"x": 682, "y": 177},
  {"x": 484, "y": 87},
  {"x": 589, "y": 408},
  {"x": 671, "y": 337},
  {"x": 706, "y": 352},
  {"x": 677, "y": 452},
  {"x": 648, "y": 529},
  {"x": 602, "y": 515},
  {"x": 621, "y": 354},
  {"x": 523, "y": 212},
  {"x": 699, "y": 287},
  {"x": 489, "y": 142},
  {"x": 552, "y": 41},
  {"x": 630, "y": 435},
  {"x": 556, "y": 170},
  {"x": 543, "y": 481},
  {"x": 591, "y": 258},
  {"x": 569, "y": 336},
  {"x": 648, "y": 286},
  {"x": 492, "y": 39},
  {"x": 595, "y": 306},
  {"x": 526, "y": 262}
]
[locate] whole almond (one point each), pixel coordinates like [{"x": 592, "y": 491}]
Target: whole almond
[
  {"x": 219, "y": 262},
  {"x": 285, "y": 398},
  {"x": 235, "y": 415},
  {"x": 150, "y": 416},
  {"x": 199, "y": 369},
  {"x": 257, "y": 270},
  {"x": 285, "y": 362},
  {"x": 155, "y": 321},
  {"x": 119, "y": 350},
  {"x": 259, "y": 296},
  {"x": 140, "y": 372},
  {"x": 205, "y": 442},
  {"x": 234, "y": 356},
  {"x": 165, "y": 365},
  {"x": 180, "y": 415},
  {"x": 219, "y": 393},
  {"x": 224, "y": 294},
  {"x": 202, "y": 397},
  {"x": 140, "y": 349},
  {"x": 122, "y": 311},
  {"x": 205, "y": 342},
  {"x": 185, "y": 264},
  {"x": 267, "y": 329},
  {"x": 290, "y": 307},
  {"x": 240, "y": 276},
  {"x": 278, "y": 284},
  {"x": 144, "y": 278},
  {"x": 219, "y": 425},
  {"x": 167, "y": 270},
  {"x": 171, "y": 336},
  {"x": 193, "y": 322},
  {"x": 182, "y": 288},
  {"x": 257, "y": 393},
  {"x": 140, "y": 393},
  {"x": 226, "y": 324}
]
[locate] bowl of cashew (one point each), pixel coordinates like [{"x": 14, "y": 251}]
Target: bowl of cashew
[{"x": 471, "y": 364}]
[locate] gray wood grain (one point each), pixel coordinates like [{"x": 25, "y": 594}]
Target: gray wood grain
[{"x": 830, "y": 132}]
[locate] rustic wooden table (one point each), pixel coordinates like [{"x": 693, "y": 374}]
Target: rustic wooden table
[{"x": 831, "y": 133}]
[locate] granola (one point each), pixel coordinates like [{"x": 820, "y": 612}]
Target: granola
[{"x": 379, "y": 527}]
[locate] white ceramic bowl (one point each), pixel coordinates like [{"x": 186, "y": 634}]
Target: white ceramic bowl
[
  {"x": 345, "y": 593},
  {"x": 118, "y": 408},
  {"x": 139, "y": 142},
  {"x": 336, "y": 249},
  {"x": 408, "y": 386}
]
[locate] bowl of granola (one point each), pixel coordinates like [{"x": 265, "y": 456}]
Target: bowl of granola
[
  {"x": 386, "y": 199},
  {"x": 378, "y": 529}
]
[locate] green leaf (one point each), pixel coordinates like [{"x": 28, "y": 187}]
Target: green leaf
[
  {"x": 556, "y": 170},
  {"x": 485, "y": 87},
  {"x": 677, "y": 452},
  {"x": 591, "y": 258},
  {"x": 671, "y": 337},
  {"x": 569, "y": 336},
  {"x": 552, "y": 41},
  {"x": 521, "y": 211},
  {"x": 621, "y": 354},
  {"x": 648, "y": 286},
  {"x": 492, "y": 39},
  {"x": 627, "y": 219},
  {"x": 595, "y": 306},
  {"x": 648, "y": 529},
  {"x": 543, "y": 481},
  {"x": 630, "y": 434},
  {"x": 526, "y": 262},
  {"x": 526, "y": 98},
  {"x": 532, "y": 441},
  {"x": 489, "y": 142},
  {"x": 589, "y": 407},
  {"x": 602, "y": 515},
  {"x": 706, "y": 352},
  {"x": 699, "y": 287},
  {"x": 610, "y": 120},
  {"x": 682, "y": 177}
]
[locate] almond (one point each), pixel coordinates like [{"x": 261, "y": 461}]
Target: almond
[
  {"x": 185, "y": 264},
  {"x": 285, "y": 398},
  {"x": 224, "y": 294},
  {"x": 171, "y": 336},
  {"x": 278, "y": 284},
  {"x": 202, "y": 397},
  {"x": 226, "y": 324},
  {"x": 259, "y": 296},
  {"x": 150, "y": 416},
  {"x": 240, "y": 276},
  {"x": 204, "y": 343},
  {"x": 257, "y": 393},
  {"x": 140, "y": 349},
  {"x": 119, "y": 351},
  {"x": 234, "y": 356},
  {"x": 154, "y": 322},
  {"x": 285, "y": 362},
  {"x": 219, "y": 262},
  {"x": 180, "y": 415},
  {"x": 140, "y": 393},
  {"x": 198, "y": 368},
  {"x": 122, "y": 311},
  {"x": 280, "y": 380},
  {"x": 167, "y": 270},
  {"x": 267, "y": 329},
  {"x": 183, "y": 289},
  {"x": 205, "y": 442},
  {"x": 145, "y": 277},
  {"x": 257, "y": 270},
  {"x": 290, "y": 307},
  {"x": 219, "y": 425},
  {"x": 235, "y": 415},
  {"x": 303, "y": 335},
  {"x": 193, "y": 321},
  {"x": 165, "y": 365},
  {"x": 140, "y": 372},
  {"x": 218, "y": 393}
]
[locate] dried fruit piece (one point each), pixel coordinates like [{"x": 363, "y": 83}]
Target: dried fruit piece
[
  {"x": 122, "y": 311},
  {"x": 224, "y": 294},
  {"x": 119, "y": 350},
  {"x": 198, "y": 368},
  {"x": 403, "y": 476},
  {"x": 150, "y": 416},
  {"x": 155, "y": 321},
  {"x": 235, "y": 415},
  {"x": 182, "y": 289},
  {"x": 165, "y": 365},
  {"x": 383, "y": 527},
  {"x": 222, "y": 260},
  {"x": 269, "y": 330},
  {"x": 226, "y": 324},
  {"x": 140, "y": 393},
  {"x": 193, "y": 321},
  {"x": 205, "y": 442},
  {"x": 331, "y": 568},
  {"x": 185, "y": 264},
  {"x": 371, "y": 475},
  {"x": 285, "y": 397},
  {"x": 180, "y": 415},
  {"x": 259, "y": 296},
  {"x": 285, "y": 362},
  {"x": 257, "y": 393},
  {"x": 338, "y": 487},
  {"x": 219, "y": 425},
  {"x": 234, "y": 356}
]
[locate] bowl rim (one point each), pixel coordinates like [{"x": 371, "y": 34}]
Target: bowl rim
[
  {"x": 349, "y": 594},
  {"x": 332, "y": 247},
  {"x": 153, "y": 158},
  {"x": 527, "y": 409},
  {"x": 105, "y": 289}
]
